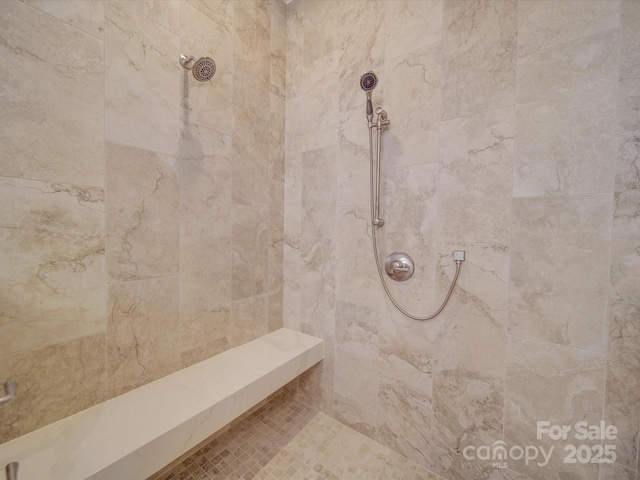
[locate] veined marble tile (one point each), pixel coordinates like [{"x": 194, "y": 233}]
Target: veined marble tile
[
  {"x": 470, "y": 333},
  {"x": 249, "y": 319},
  {"x": 318, "y": 284},
  {"x": 293, "y": 169},
  {"x": 564, "y": 144},
  {"x": 412, "y": 96},
  {"x": 163, "y": 12},
  {"x": 554, "y": 383},
  {"x": 52, "y": 77},
  {"x": 291, "y": 287},
  {"x": 250, "y": 165},
  {"x": 143, "y": 332},
  {"x": 353, "y": 167},
  {"x": 622, "y": 393},
  {"x": 278, "y": 37},
  {"x": 478, "y": 56},
  {"x": 249, "y": 261},
  {"x": 475, "y": 178},
  {"x": 54, "y": 382},
  {"x": 315, "y": 386},
  {"x": 511, "y": 475},
  {"x": 295, "y": 41},
  {"x": 143, "y": 226},
  {"x": 467, "y": 411},
  {"x": 357, "y": 415},
  {"x": 545, "y": 23},
  {"x": 616, "y": 472},
  {"x": 411, "y": 24},
  {"x": 205, "y": 185},
  {"x": 404, "y": 419},
  {"x": 319, "y": 115},
  {"x": 319, "y": 192},
  {"x": 355, "y": 375},
  {"x": 53, "y": 263},
  {"x": 143, "y": 74},
  {"x": 622, "y": 410},
  {"x": 208, "y": 103},
  {"x": 205, "y": 293},
  {"x": 559, "y": 262},
  {"x": 625, "y": 271},
  {"x": 87, "y": 15}
]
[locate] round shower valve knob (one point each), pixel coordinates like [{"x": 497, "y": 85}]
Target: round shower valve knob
[{"x": 399, "y": 266}]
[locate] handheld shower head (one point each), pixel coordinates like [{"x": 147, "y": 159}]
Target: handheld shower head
[
  {"x": 368, "y": 82},
  {"x": 203, "y": 69}
]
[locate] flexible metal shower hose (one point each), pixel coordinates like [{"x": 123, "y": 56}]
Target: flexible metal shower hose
[{"x": 375, "y": 202}]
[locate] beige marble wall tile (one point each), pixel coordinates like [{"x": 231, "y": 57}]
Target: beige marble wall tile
[
  {"x": 319, "y": 113},
  {"x": 54, "y": 382},
  {"x": 318, "y": 285},
  {"x": 142, "y": 214},
  {"x": 319, "y": 192},
  {"x": 564, "y": 143},
  {"x": 554, "y": 383},
  {"x": 208, "y": 103},
  {"x": 359, "y": 416},
  {"x": 467, "y": 411},
  {"x": 625, "y": 271},
  {"x": 52, "y": 79},
  {"x": 251, "y": 57},
  {"x": 559, "y": 259},
  {"x": 475, "y": 178},
  {"x": 249, "y": 319},
  {"x": 412, "y": 96},
  {"x": 293, "y": 169},
  {"x": 542, "y": 24},
  {"x": 163, "y": 12},
  {"x": 87, "y": 15},
  {"x": 295, "y": 41},
  {"x": 142, "y": 76},
  {"x": 403, "y": 419},
  {"x": 205, "y": 183},
  {"x": 278, "y": 37},
  {"x": 511, "y": 475},
  {"x": 143, "y": 341},
  {"x": 205, "y": 294},
  {"x": 411, "y": 24},
  {"x": 478, "y": 56},
  {"x": 315, "y": 386},
  {"x": 622, "y": 394},
  {"x": 353, "y": 167},
  {"x": 205, "y": 196},
  {"x": 616, "y": 472},
  {"x": 250, "y": 166},
  {"x": 53, "y": 263},
  {"x": 249, "y": 261},
  {"x": 470, "y": 333}
]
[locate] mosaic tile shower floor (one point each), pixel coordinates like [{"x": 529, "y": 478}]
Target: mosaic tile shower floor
[{"x": 286, "y": 440}]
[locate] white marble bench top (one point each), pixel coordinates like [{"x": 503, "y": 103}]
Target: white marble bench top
[{"x": 134, "y": 435}]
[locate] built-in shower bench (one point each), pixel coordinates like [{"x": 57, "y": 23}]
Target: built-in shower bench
[{"x": 132, "y": 436}]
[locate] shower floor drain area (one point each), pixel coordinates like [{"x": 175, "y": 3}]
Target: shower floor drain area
[{"x": 287, "y": 440}]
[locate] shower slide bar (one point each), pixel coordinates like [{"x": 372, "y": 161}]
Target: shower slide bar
[{"x": 398, "y": 265}]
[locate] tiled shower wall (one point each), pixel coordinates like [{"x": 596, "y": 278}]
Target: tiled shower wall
[
  {"x": 141, "y": 212},
  {"x": 514, "y": 136}
]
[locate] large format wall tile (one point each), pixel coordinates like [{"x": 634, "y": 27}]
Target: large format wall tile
[
  {"x": 625, "y": 270},
  {"x": 53, "y": 99},
  {"x": 205, "y": 295},
  {"x": 142, "y": 214},
  {"x": 478, "y": 56},
  {"x": 475, "y": 178},
  {"x": 319, "y": 192},
  {"x": 54, "y": 382},
  {"x": 543, "y": 23},
  {"x": 53, "y": 265},
  {"x": 412, "y": 95},
  {"x": 249, "y": 261},
  {"x": 468, "y": 411},
  {"x": 557, "y": 384},
  {"x": 143, "y": 333},
  {"x": 87, "y": 15},
  {"x": 559, "y": 264},
  {"x": 142, "y": 76},
  {"x": 411, "y": 24},
  {"x": 165, "y": 12},
  {"x": 565, "y": 136},
  {"x": 622, "y": 394}
]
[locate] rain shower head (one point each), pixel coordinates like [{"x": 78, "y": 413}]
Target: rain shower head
[{"x": 203, "y": 68}]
